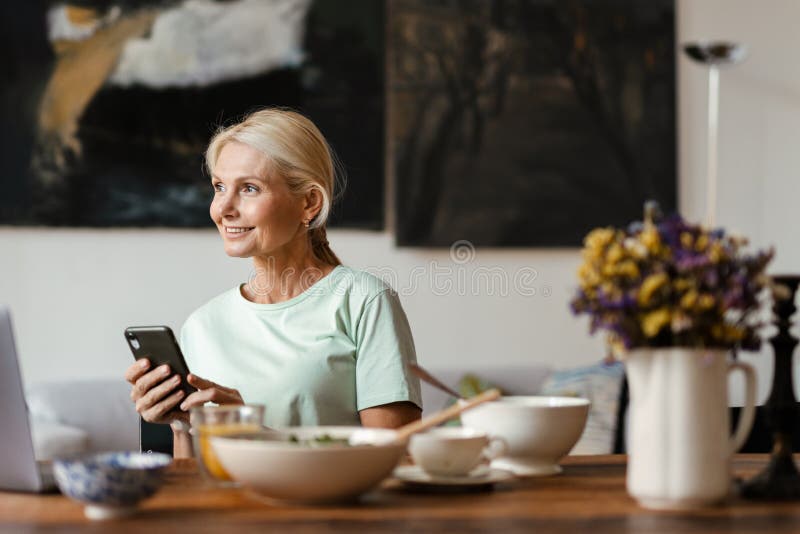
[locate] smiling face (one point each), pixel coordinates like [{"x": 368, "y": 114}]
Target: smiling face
[{"x": 253, "y": 209}]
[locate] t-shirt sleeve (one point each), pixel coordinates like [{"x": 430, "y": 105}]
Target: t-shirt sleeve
[
  {"x": 384, "y": 347},
  {"x": 184, "y": 341}
]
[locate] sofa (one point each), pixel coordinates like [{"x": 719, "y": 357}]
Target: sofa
[{"x": 82, "y": 416}]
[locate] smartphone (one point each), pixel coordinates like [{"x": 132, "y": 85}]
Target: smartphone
[{"x": 157, "y": 344}]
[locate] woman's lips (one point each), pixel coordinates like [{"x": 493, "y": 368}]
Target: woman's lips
[{"x": 237, "y": 231}]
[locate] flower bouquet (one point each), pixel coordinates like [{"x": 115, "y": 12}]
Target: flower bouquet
[
  {"x": 671, "y": 284},
  {"x": 675, "y": 298}
]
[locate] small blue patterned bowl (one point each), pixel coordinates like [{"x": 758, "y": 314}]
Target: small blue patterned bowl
[{"x": 111, "y": 484}]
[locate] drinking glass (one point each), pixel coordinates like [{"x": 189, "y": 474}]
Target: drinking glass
[{"x": 208, "y": 421}]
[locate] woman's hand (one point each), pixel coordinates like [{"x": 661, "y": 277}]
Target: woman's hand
[
  {"x": 208, "y": 391},
  {"x": 153, "y": 392}
]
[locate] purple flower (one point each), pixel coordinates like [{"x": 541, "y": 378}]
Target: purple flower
[
  {"x": 734, "y": 298},
  {"x": 626, "y": 301},
  {"x": 671, "y": 229},
  {"x": 687, "y": 261}
]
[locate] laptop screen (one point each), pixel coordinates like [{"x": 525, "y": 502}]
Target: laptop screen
[{"x": 18, "y": 470}]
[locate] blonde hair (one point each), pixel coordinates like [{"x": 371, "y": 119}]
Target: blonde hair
[{"x": 298, "y": 151}]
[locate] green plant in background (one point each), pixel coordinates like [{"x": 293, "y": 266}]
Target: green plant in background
[{"x": 470, "y": 385}]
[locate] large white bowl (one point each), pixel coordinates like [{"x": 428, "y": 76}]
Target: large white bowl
[
  {"x": 286, "y": 471},
  {"x": 539, "y": 430}
]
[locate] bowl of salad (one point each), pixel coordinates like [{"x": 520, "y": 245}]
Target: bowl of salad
[{"x": 310, "y": 464}]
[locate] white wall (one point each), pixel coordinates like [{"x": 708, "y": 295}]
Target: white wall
[
  {"x": 759, "y": 160},
  {"x": 74, "y": 291}
]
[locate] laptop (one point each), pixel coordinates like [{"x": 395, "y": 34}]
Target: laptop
[{"x": 19, "y": 470}]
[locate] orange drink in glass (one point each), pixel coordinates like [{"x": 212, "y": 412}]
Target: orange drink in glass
[{"x": 208, "y": 421}]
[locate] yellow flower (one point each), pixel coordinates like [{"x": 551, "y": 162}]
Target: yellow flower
[
  {"x": 687, "y": 240},
  {"x": 599, "y": 238},
  {"x": 727, "y": 333},
  {"x": 734, "y": 333},
  {"x": 717, "y": 253},
  {"x": 717, "y": 331},
  {"x": 653, "y": 322},
  {"x": 616, "y": 345},
  {"x": 651, "y": 284},
  {"x": 588, "y": 276},
  {"x": 681, "y": 284},
  {"x": 610, "y": 290},
  {"x": 705, "y": 302},
  {"x": 615, "y": 253},
  {"x": 650, "y": 239},
  {"x": 689, "y": 299},
  {"x": 702, "y": 243},
  {"x": 628, "y": 269},
  {"x": 634, "y": 248},
  {"x": 592, "y": 254}
]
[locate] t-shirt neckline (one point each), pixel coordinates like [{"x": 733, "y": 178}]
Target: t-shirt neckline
[{"x": 317, "y": 288}]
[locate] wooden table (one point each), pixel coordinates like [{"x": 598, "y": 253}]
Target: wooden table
[{"x": 588, "y": 497}]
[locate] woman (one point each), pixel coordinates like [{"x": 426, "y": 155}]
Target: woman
[{"x": 313, "y": 340}]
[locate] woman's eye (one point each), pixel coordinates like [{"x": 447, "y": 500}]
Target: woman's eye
[
  {"x": 249, "y": 188},
  {"x": 218, "y": 187}
]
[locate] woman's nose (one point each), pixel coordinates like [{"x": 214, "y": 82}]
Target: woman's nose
[{"x": 226, "y": 204}]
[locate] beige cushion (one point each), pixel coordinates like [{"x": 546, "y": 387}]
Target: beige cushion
[
  {"x": 101, "y": 408},
  {"x": 52, "y": 440}
]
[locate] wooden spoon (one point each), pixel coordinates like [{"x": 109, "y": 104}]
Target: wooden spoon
[
  {"x": 425, "y": 376},
  {"x": 404, "y": 432}
]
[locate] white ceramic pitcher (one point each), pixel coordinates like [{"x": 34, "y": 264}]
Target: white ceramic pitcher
[{"x": 679, "y": 444}]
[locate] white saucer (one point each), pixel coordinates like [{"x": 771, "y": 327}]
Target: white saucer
[
  {"x": 414, "y": 474},
  {"x": 527, "y": 467}
]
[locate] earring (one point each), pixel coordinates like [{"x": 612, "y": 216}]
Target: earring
[{"x": 306, "y": 223}]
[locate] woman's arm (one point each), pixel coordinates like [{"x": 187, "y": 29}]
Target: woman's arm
[
  {"x": 181, "y": 442},
  {"x": 392, "y": 415}
]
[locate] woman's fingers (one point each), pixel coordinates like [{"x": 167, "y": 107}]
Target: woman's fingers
[
  {"x": 136, "y": 370},
  {"x": 156, "y": 393},
  {"x": 145, "y": 382},
  {"x": 198, "y": 398},
  {"x": 156, "y": 413},
  {"x": 202, "y": 383},
  {"x": 213, "y": 394}
]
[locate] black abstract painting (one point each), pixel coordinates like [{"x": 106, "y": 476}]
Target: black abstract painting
[
  {"x": 107, "y": 106},
  {"x": 528, "y": 122}
]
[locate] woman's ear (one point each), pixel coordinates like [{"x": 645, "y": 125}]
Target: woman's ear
[{"x": 313, "y": 203}]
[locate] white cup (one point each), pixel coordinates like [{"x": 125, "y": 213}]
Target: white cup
[{"x": 454, "y": 451}]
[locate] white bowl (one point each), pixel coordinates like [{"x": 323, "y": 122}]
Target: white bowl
[
  {"x": 286, "y": 471},
  {"x": 539, "y": 430}
]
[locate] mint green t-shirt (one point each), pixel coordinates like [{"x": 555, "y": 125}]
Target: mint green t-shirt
[{"x": 316, "y": 359}]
